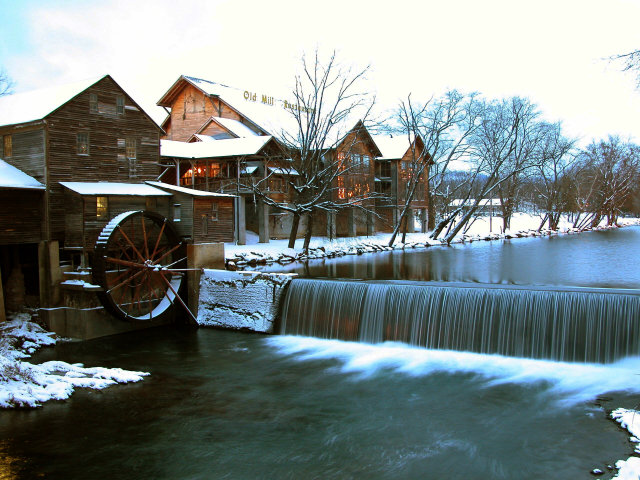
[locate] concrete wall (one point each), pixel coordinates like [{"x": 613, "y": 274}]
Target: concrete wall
[{"x": 241, "y": 300}]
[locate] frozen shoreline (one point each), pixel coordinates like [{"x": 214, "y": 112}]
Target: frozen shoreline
[
  {"x": 277, "y": 251},
  {"x": 26, "y": 385}
]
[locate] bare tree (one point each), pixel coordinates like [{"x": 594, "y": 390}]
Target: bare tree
[
  {"x": 550, "y": 186},
  {"x": 443, "y": 125},
  {"x": 501, "y": 152},
  {"x": 630, "y": 63},
  {"x": 606, "y": 175},
  {"x": 6, "y": 84},
  {"x": 329, "y": 98}
]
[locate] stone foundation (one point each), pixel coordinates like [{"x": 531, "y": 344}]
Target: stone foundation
[{"x": 241, "y": 300}]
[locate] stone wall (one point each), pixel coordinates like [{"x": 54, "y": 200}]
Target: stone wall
[{"x": 241, "y": 300}]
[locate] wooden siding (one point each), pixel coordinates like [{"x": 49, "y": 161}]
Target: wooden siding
[
  {"x": 220, "y": 230},
  {"x": 106, "y": 160},
  {"x": 20, "y": 216},
  {"x": 420, "y": 197},
  {"x": 190, "y": 111},
  {"x": 28, "y": 150},
  {"x": 83, "y": 225}
]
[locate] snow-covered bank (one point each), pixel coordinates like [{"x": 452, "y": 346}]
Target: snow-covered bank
[
  {"x": 629, "y": 419},
  {"x": 23, "y": 384},
  {"x": 483, "y": 229}
]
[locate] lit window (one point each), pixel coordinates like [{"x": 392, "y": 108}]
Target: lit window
[
  {"x": 102, "y": 207},
  {"x": 83, "y": 143},
  {"x": 214, "y": 212},
  {"x": 120, "y": 105},
  {"x": 131, "y": 147},
  {"x": 7, "y": 144},
  {"x": 93, "y": 103}
]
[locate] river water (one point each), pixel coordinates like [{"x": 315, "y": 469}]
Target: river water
[{"x": 222, "y": 404}]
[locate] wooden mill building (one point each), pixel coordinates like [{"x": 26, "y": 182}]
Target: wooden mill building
[{"x": 90, "y": 148}]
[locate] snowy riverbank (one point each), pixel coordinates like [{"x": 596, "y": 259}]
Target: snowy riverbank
[
  {"x": 483, "y": 229},
  {"x": 23, "y": 384}
]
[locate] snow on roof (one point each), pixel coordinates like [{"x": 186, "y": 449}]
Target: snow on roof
[
  {"x": 229, "y": 147},
  {"x": 234, "y": 126},
  {"x": 114, "y": 188},
  {"x": 204, "y": 138},
  {"x": 274, "y": 115},
  {"x": 189, "y": 191},
  {"x": 392, "y": 148},
  {"x": 37, "y": 104},
  {"x": 283, "y": 171},
  {"x": 493, "y": 202},
  {"x": 11, "y": 177}
]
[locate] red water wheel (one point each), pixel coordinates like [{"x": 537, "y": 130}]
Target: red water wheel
[{"x": 140, "y": 263}]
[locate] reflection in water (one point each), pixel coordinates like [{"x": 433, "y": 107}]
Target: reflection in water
[
  {"x": 592, "y": 259},
  {"x": 8, "y": 464}
]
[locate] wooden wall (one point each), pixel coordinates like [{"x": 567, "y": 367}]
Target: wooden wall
[
  {"x": 106, "y": 160},
  {"x": 28, "y": 150},
  {"x": 220, "y": 230},
  {"x": 191, "y": 109},
  {"x": 20, "y": 216},
  {"x": 83, "y": 224}
]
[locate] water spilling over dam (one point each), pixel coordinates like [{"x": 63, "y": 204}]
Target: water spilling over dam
[{"x": 557, "y": 323}]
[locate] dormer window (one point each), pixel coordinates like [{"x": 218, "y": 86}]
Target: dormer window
[{"x": 120, "y": 105}]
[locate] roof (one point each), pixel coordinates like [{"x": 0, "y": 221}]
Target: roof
[
  {"x": 392, "y": 148},
  {"x": 230, "y": 147},
  {"x": 273, "y": 115},
  {"x": 239, "y": 129},
  {"x": 114, "y": 188},
  {"x": 35, "y": 105},
  {"x": 485, "y": 202},
  {"x": 283, "y": 171},
  {"x": 11, "y": 177},
  {"x": 188, "y": 191}
]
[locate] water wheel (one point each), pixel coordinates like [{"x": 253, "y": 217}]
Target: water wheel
[{"x": 140, "y": 263}]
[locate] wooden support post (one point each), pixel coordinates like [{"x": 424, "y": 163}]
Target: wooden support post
[
  {"x": 263, "y": 222},
  {"x": 241, "y": 222},
  {"x": 3, "y": 315},
  {"x": 351, "y": 222}
]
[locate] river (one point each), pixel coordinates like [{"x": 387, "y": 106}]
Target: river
[{"x": 221, "y": 404}]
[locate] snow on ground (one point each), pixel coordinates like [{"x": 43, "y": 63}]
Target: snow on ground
[
  {"x": 484, "y": 228},
  {"x": 23, "y": 384},
  {"x": 630, "y": 420}
]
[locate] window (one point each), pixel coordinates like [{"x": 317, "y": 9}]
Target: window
[
  {"x": 120, "y": 105},
  {"x": 102, "y": 207},
  {"x": 176, "y": 212},
  {"x": 93, "y": 103},
  {"x": 214, "y": 212},
  {"x": 151, "y": 203},
  {"x": 83, "y": 143},
  {"x": 131, "y": 147},
  {"x": 7, "y": 145}
]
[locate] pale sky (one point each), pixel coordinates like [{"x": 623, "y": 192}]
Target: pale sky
[{"x": 551, "y": 51}]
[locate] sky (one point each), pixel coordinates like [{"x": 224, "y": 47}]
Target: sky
[{"x": 555, "y": 52}]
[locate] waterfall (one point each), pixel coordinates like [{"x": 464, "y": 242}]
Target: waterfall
[{"x": 575, "y": 325}]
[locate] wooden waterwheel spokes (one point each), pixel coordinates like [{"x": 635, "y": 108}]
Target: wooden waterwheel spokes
[{"x": 140, "y": 263}]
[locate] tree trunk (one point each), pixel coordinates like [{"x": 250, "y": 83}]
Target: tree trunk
[
  {"x": 431, "y": 210},
  {"x": 307, "y": 235},
  {"x": 294, "y": 230}
]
